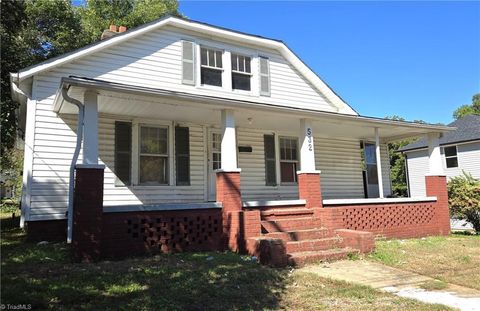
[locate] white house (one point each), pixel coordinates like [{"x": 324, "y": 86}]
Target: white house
[
  {"x": 460, "y": 151},
  {"x": 181, "y": 120}
]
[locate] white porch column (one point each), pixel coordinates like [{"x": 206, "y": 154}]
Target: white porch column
[
  {"x": 379, "y": 163},
  {"x": 90, "y": 128},
  {"x": 435, "y": 166},
  {"x": 229, "y": 141},
  {"x": 307, "y": 151}
]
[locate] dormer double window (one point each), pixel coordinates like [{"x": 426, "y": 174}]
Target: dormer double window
[{"x": 227, "y": 70}]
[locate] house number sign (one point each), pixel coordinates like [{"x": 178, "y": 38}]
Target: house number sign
[{"x": 309, "y": 139}]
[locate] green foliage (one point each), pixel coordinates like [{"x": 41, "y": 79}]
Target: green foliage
[
  {"x": 464, "y": 110},
  {"x": 464, "y": 199},
  {"x": 12, "y": 165},
  {"x": 97, "y": 15},
  {"x": 398, "y": 173}
]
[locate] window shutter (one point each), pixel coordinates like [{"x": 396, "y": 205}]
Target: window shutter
[
  {"x": 182, "y": 155},
  {"x": 188, "y": 63},
  {"x": 270, "y": 164},
  {"x": 123, "y": 153},
  {"x": 264, "y": 76}
]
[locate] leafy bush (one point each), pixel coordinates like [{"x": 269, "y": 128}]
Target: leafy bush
[{"x": 464, "y": 199}]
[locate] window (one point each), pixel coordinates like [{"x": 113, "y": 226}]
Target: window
[
  {"x": 153, "y": 155},
  {"x": 211, "y": 66},
  {"x": 451, "y": 158},
  {"x": 288, "y": 159},
  {"x": 241, "y": 72},
  {"x": 264, "y": 76},
  {"x": 182, "y": 156},
  {"x": 123, "y": 153},
  {"x": 270, "y": 162}
]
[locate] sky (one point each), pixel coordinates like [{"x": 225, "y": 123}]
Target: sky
[{"x": 417, "y": 60}]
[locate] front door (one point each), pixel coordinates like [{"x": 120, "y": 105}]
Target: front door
[
  {"x": 371, "y": 171},
  {"x": 214, "y": 162}
]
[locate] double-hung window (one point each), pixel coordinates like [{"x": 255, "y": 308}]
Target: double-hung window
[
  {"x": 153, "y": 155},
  {"x": 241, "y": 72},
  {"x": 288, "y": 159},
  {"x": 451, "y": 158},
  {"x": 211, "y": 66}
]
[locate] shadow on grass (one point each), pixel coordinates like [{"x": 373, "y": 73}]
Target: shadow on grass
[{"x": 42, "y": 275}]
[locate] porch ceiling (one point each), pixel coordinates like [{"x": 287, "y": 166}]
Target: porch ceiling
[{"x": 145, "y": 103}]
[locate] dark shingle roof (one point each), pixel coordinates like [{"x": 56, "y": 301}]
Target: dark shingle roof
[{"x": 468, "y": 128}]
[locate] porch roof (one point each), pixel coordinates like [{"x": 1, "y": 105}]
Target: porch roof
[{"x": 272, "y": 116}]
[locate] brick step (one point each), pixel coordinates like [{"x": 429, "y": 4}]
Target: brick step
[
  {"x": 302, "y": 258},
  {"x": 313, "y": 245},
  {"x": 285, "y": 213},
  {"x": 290, "y": 224},
  {"x": 299, "y": 235}
]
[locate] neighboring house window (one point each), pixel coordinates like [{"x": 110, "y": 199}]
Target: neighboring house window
[
  {"x": 153, "y": 168},
  {"x": 211, "y": 66},
  {"x": 288, "y": 159},
  {"x": 451, "y": 158},
  {"x": 270, "y": 162},
  {"x": 123, "y": 153},
  {"x": 241, "y": 72},
  {"x": 182, "y": 156}
]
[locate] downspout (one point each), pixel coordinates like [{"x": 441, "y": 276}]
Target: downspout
[{"x": 74, "y": 160}]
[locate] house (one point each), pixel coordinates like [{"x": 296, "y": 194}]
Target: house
[
  {"x": 179, "y": 135},
  {"x": 460, "y": 151}
]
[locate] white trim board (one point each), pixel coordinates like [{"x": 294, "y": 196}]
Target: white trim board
[
  {"x": 161, "y": 207},
  {"x": 272, "y": 203},
  {"x": 377, "y": 201}
]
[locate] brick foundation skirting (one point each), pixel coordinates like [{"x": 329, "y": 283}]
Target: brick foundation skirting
[
  {"x": 137, "y": 233},
  {"x": 46, "y": 230}
]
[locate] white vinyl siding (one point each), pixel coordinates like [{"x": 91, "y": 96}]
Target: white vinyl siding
[
  {"x": 387, "y": 182},
  {"x": 155, "y": 60},
  {"x": 339, "y": 161},
  {"x": 252, "y": 177}
]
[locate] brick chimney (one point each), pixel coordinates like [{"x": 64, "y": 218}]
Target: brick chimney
[{"x": 112, "y": 31}]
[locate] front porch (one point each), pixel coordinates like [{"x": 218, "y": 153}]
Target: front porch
[{"x": 254, "y": 172}]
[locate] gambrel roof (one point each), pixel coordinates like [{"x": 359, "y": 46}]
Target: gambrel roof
[{"x": 203, "y": 28}]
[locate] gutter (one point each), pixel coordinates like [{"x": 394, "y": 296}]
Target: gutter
[{"x": 74, "y": 159}]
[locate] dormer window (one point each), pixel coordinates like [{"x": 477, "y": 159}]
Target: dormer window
[
  {"x": 211, "y": 66},
  {"x": 241, "y": 72}
]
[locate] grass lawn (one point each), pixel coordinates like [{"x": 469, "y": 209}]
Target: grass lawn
[
  {"x": 452, "y": 259},
  {"x": 43, "y": 276}
]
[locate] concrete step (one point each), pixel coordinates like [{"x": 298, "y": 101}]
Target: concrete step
[
  {"x": 302, "y": 258},
  {"x": 290, "y": 224},
  {"x": 300, "y": 235},
  {"x": 285, "y": 213},
  {"x": 313, "y": 245}
]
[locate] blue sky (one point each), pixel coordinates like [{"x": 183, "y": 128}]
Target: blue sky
[{"x": 418, "y": 60}]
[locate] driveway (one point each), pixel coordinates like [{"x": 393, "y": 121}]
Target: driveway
[{"x": 400, "y": 282}]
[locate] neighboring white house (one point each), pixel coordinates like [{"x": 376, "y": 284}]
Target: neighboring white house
[
  {"x": 171, "y": 102},
  {"x": 460, "y": 152}
]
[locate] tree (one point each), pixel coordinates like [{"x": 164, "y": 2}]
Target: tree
[
  {"x": 14, "y": 54},
  {"x": 398, "y": 172},
  {"x": 464, "y": 110},
  {"x": 464, "y": 199},
  {"x": 97, "y": 15}
]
